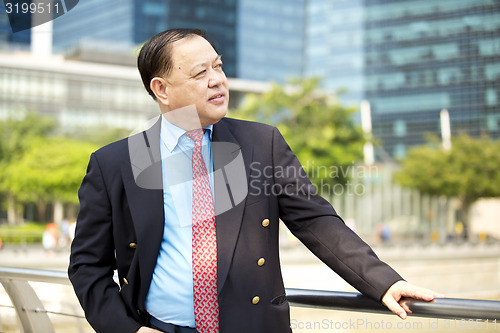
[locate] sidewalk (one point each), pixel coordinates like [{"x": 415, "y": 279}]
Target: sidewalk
[{"x": 34, "y": 256}]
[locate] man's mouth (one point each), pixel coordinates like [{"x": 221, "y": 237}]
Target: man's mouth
[{"x": 217, "y": 98}]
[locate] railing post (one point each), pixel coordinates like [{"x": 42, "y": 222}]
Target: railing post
[{"x": 29, "y": 308}]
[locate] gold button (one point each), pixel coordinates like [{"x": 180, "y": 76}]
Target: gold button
[
  {"x": 265, "y": 223},
  {"x": 256, "y": 300},
  {"x": 138, "y": 312},
  {"x": 261, "y": 261},
  {"x": 125, "y": 281},
  {"x": 133, "y": 245}
]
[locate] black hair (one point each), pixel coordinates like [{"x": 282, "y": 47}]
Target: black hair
[{"x": 155, "y": 57}]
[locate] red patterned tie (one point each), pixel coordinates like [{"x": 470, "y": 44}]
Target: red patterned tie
[{"x": 206, "y": 308}]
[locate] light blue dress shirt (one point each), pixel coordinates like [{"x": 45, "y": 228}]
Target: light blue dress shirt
[{"x": 170, "y": 296}]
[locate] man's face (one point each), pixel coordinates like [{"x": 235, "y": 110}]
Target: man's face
[{"x": 197, "y": 79}]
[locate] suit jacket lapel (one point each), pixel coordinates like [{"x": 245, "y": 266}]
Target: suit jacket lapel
[
  {"x": 231, "y": 164},
  {"x": 144, "y": 190}
]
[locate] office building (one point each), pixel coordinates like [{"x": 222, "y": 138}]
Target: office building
[
  {"x": 424, "y": 56},
  {"x": 125, "y": 25},
  {"x": 410, "y": 60},
  {"x": 84, "y": 94},
  {"x": 8, "y": 39},
  {"x": 334, "y": 46},
  {"x": 271, "y": 39},
  {"x": 218, "y": 18},
  {"x": 258, "y": 39}
]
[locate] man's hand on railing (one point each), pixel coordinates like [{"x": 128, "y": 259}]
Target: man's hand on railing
[{"x": 394, "y": 297}]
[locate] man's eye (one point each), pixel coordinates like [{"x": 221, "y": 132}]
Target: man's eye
[
  {"x": 201, "y": 73},
  {"x": 219, "y": 66}
]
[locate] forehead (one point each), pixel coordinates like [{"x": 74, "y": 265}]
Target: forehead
[{"x": 192, "y": 50}]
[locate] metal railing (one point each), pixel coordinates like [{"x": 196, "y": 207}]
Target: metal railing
[
  {"x": 34, "y": 317},
  {"x": 446, "y": 308},
  {"x": 31, "y": 312}
]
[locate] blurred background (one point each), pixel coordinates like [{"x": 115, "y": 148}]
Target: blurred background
[{"x": 392, "y": 107}]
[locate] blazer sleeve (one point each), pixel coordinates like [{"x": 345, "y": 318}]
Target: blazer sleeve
[
  {"x": 92, "y": 260},
  {"x": 316, "y": 224}
]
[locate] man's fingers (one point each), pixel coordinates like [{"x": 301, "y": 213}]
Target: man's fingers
[
  {"x": 404, "y": 304},
  {"x": 394, "y": 306},
  {"x": 401, "y": 292},
  {"x": 419, "y": 293}
]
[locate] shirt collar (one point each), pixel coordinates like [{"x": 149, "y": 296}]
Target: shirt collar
[{"x": 170, "y": 133}]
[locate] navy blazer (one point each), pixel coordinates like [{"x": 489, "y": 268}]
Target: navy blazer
[{"x": 120, "y": 226}]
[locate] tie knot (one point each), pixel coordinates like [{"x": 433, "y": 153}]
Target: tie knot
[{"x": 196, "y": 135}]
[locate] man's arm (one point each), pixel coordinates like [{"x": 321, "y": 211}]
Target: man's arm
[
  {"x": 92, "y": 260},
  {"x": 317, "y": 225}
]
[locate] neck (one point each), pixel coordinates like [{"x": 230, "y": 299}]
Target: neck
[{"x": 186, "y": 118}]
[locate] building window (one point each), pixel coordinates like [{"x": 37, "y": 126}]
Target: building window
[
  {"x": 400, "y": 151},
  {"x": 492, "y": 122},
  {"x": 491, "y": 97},
  {"x": 399, "y": 128},
  {"x": 201, "y": 12}
]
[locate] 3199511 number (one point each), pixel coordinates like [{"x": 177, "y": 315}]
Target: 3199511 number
[
  {"x": 31, "y": 8},
  {"x": 471, "y": 324}
]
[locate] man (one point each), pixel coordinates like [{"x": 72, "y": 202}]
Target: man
[{"x": 140, "y": 208}]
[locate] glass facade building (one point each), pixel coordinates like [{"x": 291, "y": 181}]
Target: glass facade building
[
  {"x": 258, "y": 39},
  {"x": 334, "y": 46},
  {"x": 216, "y": 17},
  {"x": 9, "y": 40},
  {"x": 424, "y": 56},
  {"x": 270, "y": 39},
  {"x": 101, "y": 20},
  {"x": 410, "y": 60},
  {"x": 129, "y": 23}
]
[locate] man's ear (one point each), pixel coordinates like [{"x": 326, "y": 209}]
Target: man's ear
[{"x": 159, "y": 87}]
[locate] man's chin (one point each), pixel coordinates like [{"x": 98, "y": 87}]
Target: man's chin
[
  {"x": 213, "y": 116},
  {"x": 218, "y": 113}
]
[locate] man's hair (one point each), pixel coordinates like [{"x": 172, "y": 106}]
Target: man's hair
[{"x": 155, "y": 57}]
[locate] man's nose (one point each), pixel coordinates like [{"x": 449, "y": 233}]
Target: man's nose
[{"x": 216, "y": 78}]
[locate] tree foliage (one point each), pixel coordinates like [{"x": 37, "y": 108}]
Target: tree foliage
[
  {"x": 99, "y": 136},
  {"x": 37, "y": 166},
  {"x": 469, "y": 170},
  {"x": 50, "y": 169},
  {"x": 16, "y": 133},
  {"x": 321, "y": 132}
]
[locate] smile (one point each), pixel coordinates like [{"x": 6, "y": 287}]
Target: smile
[{"x": 217, "y": 99}]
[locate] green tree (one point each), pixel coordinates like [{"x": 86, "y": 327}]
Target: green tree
[
  {"x": 100, "y": 136},
  {"x": 38, "y": 167},
  {"x": 321, "y": 132},
  {"x": 16, "y": 133},
  {"x": 50, "y": 170},
  {"x": 470, "y": 170}
]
